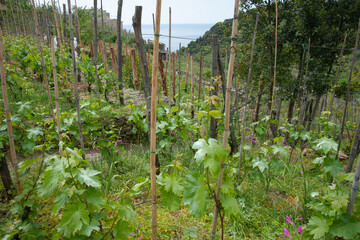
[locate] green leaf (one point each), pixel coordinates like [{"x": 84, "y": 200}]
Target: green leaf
[
  {"x": 122, "y": 230},
  {"x": 284, "y": 152},
  {"x": 215, "y": 114},
  {"x": 347, "y": 177},
  {"x": 34, "y": 132},
  {"x": 172, "y": 183},
  {"x": 333, "y": 166},
  {"x": 88, "y": 229},
  {"x": 170, "y": 200},
  {"x": 210, "y": 154},
  {"x": 338, "y": 199},
  {"x": 28, "y": 162},
  {"x": 319, "y": 160},
  {"x": 230, "y": 205},
  {"x": 277, "y": 165},
  {"x": 74, "y": 217},
  {"x": 305, "y": 136},
  {"x": 262, "y": 164},
  {"x": 28, "y": 146},
  {"x": 88, "y": 176},
  {"x": 346, "y": 227},
  {"x": 59, "y": 202},
  {"x": 95, "y": 197},
  {"x": 195, "y": 194},
  {"x": 318, "y": 226},
  {"x": 325, "y": 145}
]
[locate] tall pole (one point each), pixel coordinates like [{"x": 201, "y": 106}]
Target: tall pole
[
  {"x": 119, "y": 52},
  {"x": 153, "y": 120},
  {"x": 227, "y": 112},
  {"x": 8, "y": 115},
  {"x": 169, "y": 64}
]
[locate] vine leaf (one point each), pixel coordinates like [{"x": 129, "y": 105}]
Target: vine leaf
[
  {"x": 284, "y": 152},
  {"x": 122, "y": 230},
  {"x": 88, "y": 176},
  {"x": 74, "y": 217},
  {"x": 94, "y": 196},
  {"x": 170, "y": 200},
  {"x": 318, "y": 226},
  {"x": 34, "y": 132},
  {"x": 88, "y": 229},
  {"x": 333, "y": 166},
  {"x": 195, "y": 194},
  {"x": 345, "y": 227},
  {"x": 210, "y": 154},
  {"x": 325, "y": 144}
]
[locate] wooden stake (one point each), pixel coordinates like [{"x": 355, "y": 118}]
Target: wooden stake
[
  {"x": 103, "y": 41},
  {"x": 134, "y": 69},
  {"x": 64, "y": 25},
  {"x": 337, "y": 77},
  {"x": 187, "y": 72},
  {"x": 274, "y": 84},
  {"x": 43, "y": 62},
  {"x": 348, "y": 90},
  {"x": 227, "y": 111},
  {"x": 8, "y": 115},
  {"x": 162, "y": 75},
  {"x": 56, "y": 23},
  {"x": 170, "y": 64},
  {"x": 53, "y": 59},
  {"x": 75, "y": 81},
  {"x": 113, "y": 60},
  {"x": 174, "y": 75},
  {"x": 153, "y": 121},
  {"x": 201, "y": 77},
  {"x": 78, "y": 37},
  {"x": 119, "y": 53},
  {"x": 95, "y": 37},
  {"x": 246, "y": 96},
  {"x": 179, "y": 74},
  {"x": 192, "y": 87}
]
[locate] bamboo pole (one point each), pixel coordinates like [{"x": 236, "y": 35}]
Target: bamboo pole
[
  {"x": 119, "y": 53},
  {"x": 75, "y": 81},
  {"x": 173, "y": 75},
  {"x": 201, "y": 78},
  {"x": 179, "y": 74},
  {"x": 43, "y": 62},
  {"x": 56, "y": 88},
  {"x": 103, "y": 37},
  {"x": 64, "y": 25},
  {"x": 134, "y": 69},
  {"x": 192, "y": 87},
  {"x": 187, "y": 72},
  {"x": 246, "y": 95},
  {"x": 348, "y": 89},
  {"x": 169, "y": 64},
  {"x": 337, "y": 77},
  {"x": 162, "y": 75},
  {"x": 275, "y": 62},
  {"x": 56, "y": 23},
  {"x": 8, "y": 115},
  {"x": 77, "y": 23},
  {"x": 153, "y": 120},
  {"x": 95, "y": 37},
  {"x": 227, "y": 112},
  {"x": 61, "y": 36}
]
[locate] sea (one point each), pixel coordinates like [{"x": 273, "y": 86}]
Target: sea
[{"x": 180, "y": 33}]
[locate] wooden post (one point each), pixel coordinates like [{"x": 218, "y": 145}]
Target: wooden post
[
  {"x": 95, "y": 37},
  {"x": 8, "y": 115},
  {"x": 169, "y": 64},
  {"x": 53, "y": 59},
  {"x": 64, "y": 25},
  {"x": 56, "y": 23},
  {"x": 179, "y": 74},
  {"x": 77, "y": 34},
  {"x": 43, "y": 62},
  {"x": 187, "y": 72},
  {"x": 75, "y": 80},
  {"x": 153, "y": 121},
  {"x": 201, "y": 77},
  {"x": 276, "y": 43},
  {"x": 192, "y": 87},
  {"x": 103, "y": 41},
  {"x": 227, "y": 112},
  {"x": 113, "y": 61},
  {"x": 173, "y": 75},
  {"x": 61, "y": 37},
  {"x": 337, "y": 77},
  {"x": 162, "y": 75},
  {"x": 134, "y": 69},
  {"x": 246, "y": 96},
  {"x": 348, "y": 89},
  {"x": 119, "y": 52},
  {"x": 78, "y": 37}
]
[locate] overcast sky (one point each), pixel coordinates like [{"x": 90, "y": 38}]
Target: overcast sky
[{"x": 182, "y": 11}]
